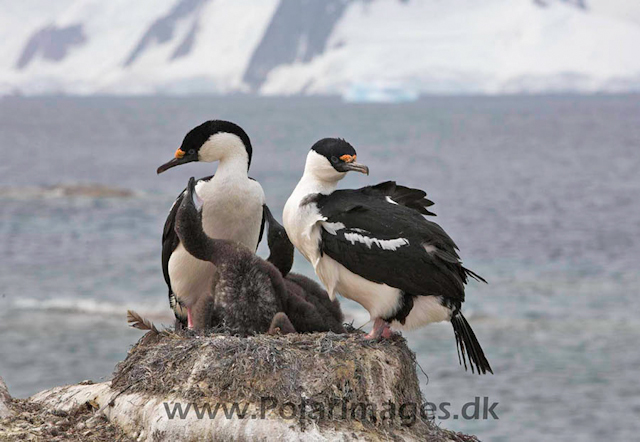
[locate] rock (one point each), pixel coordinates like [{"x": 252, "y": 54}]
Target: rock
[
  {"x": 318, "y": 386},
  {"x": 33, "y": 421},
  {"x": 66, "y": 191},
  {"x": 172, "y": 386},
  {"x": 5, "y": 400}
]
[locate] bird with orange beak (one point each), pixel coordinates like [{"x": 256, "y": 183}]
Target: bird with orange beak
[
  {"x": 232, "y": 209},
  {"x": 373, "y": 245}
]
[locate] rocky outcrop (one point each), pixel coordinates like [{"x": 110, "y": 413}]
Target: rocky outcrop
[
  {"x": 73, "y": 419},
  {"x": 318, "y": 386},
  {"x": 5, "y": 400},
  {"x": 66, "y": 191}
]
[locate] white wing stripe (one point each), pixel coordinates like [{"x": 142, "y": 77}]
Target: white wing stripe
[
  {"x": 385, "y": 244},
  {"x": 332, "y": 228}
]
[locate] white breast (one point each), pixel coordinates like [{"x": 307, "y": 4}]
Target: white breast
[
  {"x": 301, "y": 224},
  {"x": 190, "y": 277},
  {"x": 232, "y": 209}
]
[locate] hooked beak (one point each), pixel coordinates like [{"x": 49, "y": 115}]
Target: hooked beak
[
  {"x": 179, "y": 159},
  {"x": 191, "y": 187},
  {"x": 355, "y": 167},
  {"x": 267, "y": 214}
]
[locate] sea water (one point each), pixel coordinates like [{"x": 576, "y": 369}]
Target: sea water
[{"x": 540, "y": 194}]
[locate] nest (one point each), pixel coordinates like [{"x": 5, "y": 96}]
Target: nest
[
  {"x": 321, "y": 366},
  {"x": 315, "y": 368},
  {"x": 165, "y": 367}
]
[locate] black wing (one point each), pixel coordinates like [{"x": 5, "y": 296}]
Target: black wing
[
  {"x": 406, "y": 196},
  {"x": 280, "y": 247},
  {"x": 391, "y": 242},
  {"x": 170, "y": 239}
]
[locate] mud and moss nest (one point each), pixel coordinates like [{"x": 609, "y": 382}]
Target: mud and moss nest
[
  {"x": 317, "y": 366},
  {"x": 165, "y": 369}
]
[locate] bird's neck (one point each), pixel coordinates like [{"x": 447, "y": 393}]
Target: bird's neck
[
  {"x": 192, "y": 235},
  {"x": 235, "y": 166},
  {"x": 282, "y": 257},
  {"x": 311, "y": 183}
]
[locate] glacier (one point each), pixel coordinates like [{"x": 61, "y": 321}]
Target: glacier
[{"x": 362, "y": 50}]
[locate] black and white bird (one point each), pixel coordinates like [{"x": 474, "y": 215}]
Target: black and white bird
[
  {"x": 328, "y": 314},
  {"x": 232, "y": 209},
  {"x": 250, "y": 295},
  {"x": 374, "y": 246}
]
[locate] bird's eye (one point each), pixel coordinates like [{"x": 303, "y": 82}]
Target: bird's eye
[
  {"x": 334, "y": 159},
  {"x": 191, "y": 151}
]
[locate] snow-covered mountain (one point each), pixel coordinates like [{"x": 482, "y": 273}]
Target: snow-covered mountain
[{"x": 355, "y": 48}]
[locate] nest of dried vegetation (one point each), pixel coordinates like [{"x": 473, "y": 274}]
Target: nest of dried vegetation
[
  {"x": 219, "y": 367},
  {"x": 231, "y": 368},
  {"x": 319, "y": 367}
]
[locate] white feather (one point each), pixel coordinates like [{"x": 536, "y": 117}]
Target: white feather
[
  {"x": 223, "y": 146},
  {"x": 385, "y": 244},
  {"x": 426, "y": 309},
  {"x": 303, "y": 222},
  {"x": 332, "y": 228}
]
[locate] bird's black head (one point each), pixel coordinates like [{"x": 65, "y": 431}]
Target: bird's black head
[
  {"x": 212, "y": 141},
  {"x": 188, "y": 217},
  {"x": 276, "y": 235},
  {"x": 188, "y": 225},
  {"x": 339, "y": 154},
  {"x": 280, "y": 247}
]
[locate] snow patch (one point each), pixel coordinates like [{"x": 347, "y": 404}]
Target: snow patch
[{"x": 379, "y": 51}]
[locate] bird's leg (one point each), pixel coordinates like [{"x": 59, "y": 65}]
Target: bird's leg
[
  {"x": 380, "y": 328},
  {"x": 387, "y": 332},
  {"x": 189, "y": 319}
]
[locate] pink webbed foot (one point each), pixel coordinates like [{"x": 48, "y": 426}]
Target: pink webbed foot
[
  {"x": 387, "y": 333},
  {"x": 380, "y": 329}
]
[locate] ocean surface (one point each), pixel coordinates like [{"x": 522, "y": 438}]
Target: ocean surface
[{"x": 540, "y": 193}]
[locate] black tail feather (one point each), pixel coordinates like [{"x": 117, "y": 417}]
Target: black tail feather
[
  {"x": 468, "y": 346},
  {"x": 474, "y": 275}
]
